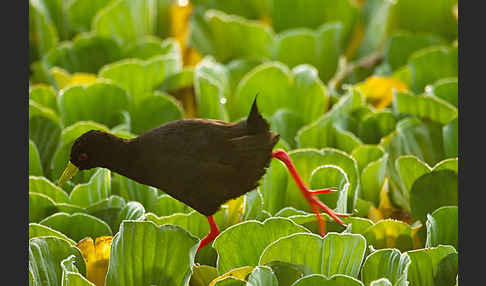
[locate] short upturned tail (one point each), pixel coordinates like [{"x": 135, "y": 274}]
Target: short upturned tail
[{"x": 255, "y": 121}]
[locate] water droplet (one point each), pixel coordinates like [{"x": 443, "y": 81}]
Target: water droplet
[{"x": 222, "y": 100}]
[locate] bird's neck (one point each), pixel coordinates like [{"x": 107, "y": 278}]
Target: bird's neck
[{"x": 118, "y": 155}]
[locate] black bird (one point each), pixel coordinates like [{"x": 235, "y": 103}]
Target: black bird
[{"x": 200, "y": 162}]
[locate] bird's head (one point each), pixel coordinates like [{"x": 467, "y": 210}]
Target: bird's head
[{"x": 84, "y": 153}]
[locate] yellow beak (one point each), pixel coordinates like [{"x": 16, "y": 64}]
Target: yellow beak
[{"x": 68, "y": 173}]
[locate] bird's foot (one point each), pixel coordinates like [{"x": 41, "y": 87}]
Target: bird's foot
[
  {"x": 314, "y": 202},
  {"x": 213, "y": 233}
]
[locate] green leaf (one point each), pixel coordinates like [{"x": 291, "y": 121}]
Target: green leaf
[
  {"x": 381, "y": 282},
  {"x": 424, "y": 264},
  {"x": 253, "y": 208},
  {"x": 446, "y": 89},
  {"x": 450, "y": 132},
  {"x": 131, "y": 190},
  {"x": 287, "y": 14},
  {"x": 257, "y": 236},
  {"x": 131, "y": 211},
  {"x": 86, "y": 53},
  {"x": 108, "y": 210},
  {"x": 274, "y": 186},
  {"x": 179, "y": 81},
  {"x": 386, "y": 263},
  {"x": 81, "y": 13},
  {"x": 40, "y": 206},
  {"x": 45, "y": 95},
  {"x": 252, "y": 9},
  {"x": 71, "y": 275},
  {"x": 277, "y": 87},
  {"x": 126, "y": 20},
  {"x": 155, "y": 110},
  {"x": 42, "y": 32},
  {"x": 35, "y": 165},
  {"x": 322, "y": 132},
  {"x": 403, "y": 44},
  {"x": 436, "y": 17},
  {"x": 410, "y": 168},
  {"x": 411, "y": 137},
  {"x": 334, "y": 254},
  {"x": 193, "y": 222},
  {"x": 45, "y": 256},
  {"x": 230, "y": 281},
  {"x": 375, "y": 15},
  {"x": 39, "y": 230},
  {"x": 424, "y": 106},
  {"x": 321, "y": 280},
  {"x": 442, "y": 227},
  {"x": 140, "y": 77},
  {"x": 286, "y": 123},
  {"x": 211, "y": 89},
  {"x": 150, "y": 46},
  {"x": 371, "y": 161},
  {"x": 97, "y": 189},
  {"x": 167, "y": 205},
  {"x": 288, "y": 273},
  {"x": 77, "y": 226},
  {"x": 44, "y": 131},
  {"x": 320, "y": 48},
  {"x": 447, "y": 270},
  {"x": 262, "y": 276},
  {"x": 226, "y": 33},
  {"x": 431, "y": 191},
  {"x": 432, "y": 64},
  {"x": 101, "y": 102},
  {"x": 237, "y": 69},
  {"x": 144, "y": 254},
  {"x": 202, "y": 275},
  {"x": 390, "y": 233},
  {"x": 41, "y": 185},
  {"x": 376, "y": 125}
]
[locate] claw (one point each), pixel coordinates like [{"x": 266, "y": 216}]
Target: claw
[{"x": 309, "y": 195}]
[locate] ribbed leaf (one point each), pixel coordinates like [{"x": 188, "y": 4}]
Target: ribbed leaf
[
  {"x": 77, "y": 226},
  {"x": 143, "y": 254},
  {"x": 334, "y": 254},
  {"x": 386, "y": 263},
  {"x": 97, "y": 189},
  {"x": 442, "y": 227},
  {"x": 101, "y": 102},
  {"x": 234, "y": 252},
  {"x": 35, "y": 165},
  {"x": 390, "y": 233},
  {"x": 321, "y": 280},
  {"x": 39, "y": 230},
  {"x": 45, "y": 257}
]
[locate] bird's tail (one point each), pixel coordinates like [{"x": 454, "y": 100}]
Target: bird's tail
[{"x": 255, "y": 121}]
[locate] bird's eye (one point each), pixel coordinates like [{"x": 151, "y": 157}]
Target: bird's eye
[{"x": 83, "y": 156}]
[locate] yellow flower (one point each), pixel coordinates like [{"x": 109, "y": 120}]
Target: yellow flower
[
  {"x": 63, "y": 78},
  {"x": 179, "y": 28},
  {"x": 97, "y": 256},
  {"x": 379, "y": 90},
  {"x": 237, "y": 273}
]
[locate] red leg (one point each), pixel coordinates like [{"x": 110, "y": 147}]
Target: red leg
[
  {"x": 309, "y": 195},
  {"x": 213, "y": 232}
]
